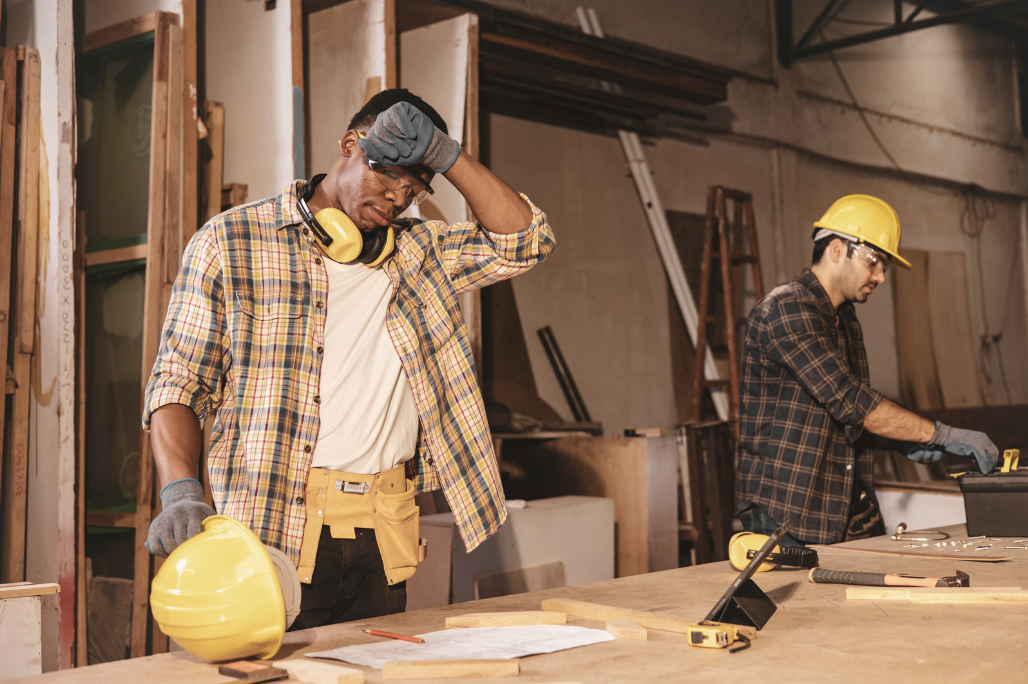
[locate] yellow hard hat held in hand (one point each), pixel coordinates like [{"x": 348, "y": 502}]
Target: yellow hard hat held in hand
[
  {"x": 223, "y": 595},
  {"x": 867, "y": 219}
]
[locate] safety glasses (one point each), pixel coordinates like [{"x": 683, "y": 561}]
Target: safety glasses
[
  {"x": 389, "y": 177},
  {"x": 870, "y": 257}
]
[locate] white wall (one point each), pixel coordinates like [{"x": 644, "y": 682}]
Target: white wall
[{"x": 249, "y": 70}]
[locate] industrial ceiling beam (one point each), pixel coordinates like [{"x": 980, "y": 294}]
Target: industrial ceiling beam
[{"x": 788, "y": 53}]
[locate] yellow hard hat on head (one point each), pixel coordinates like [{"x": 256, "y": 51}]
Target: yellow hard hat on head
[
  {"x": 218, "y": 594},
  {"x": 868, "y": 219}
]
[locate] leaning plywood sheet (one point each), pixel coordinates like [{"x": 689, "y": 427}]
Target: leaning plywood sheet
[
  {"x": 340, "y": 62},
  {"x": 952, "y": 332},
  {"x": 919, "y": 377},
  {"x": 434, "y": 65}
]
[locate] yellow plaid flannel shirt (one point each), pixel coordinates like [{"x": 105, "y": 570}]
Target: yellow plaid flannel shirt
[{"x": 245, "y": 331}]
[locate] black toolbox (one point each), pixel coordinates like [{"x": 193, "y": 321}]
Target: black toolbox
[{"x": 996, "y": 505}]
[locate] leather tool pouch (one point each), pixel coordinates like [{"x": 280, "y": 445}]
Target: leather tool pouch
[{"x": 396, "y": 529}]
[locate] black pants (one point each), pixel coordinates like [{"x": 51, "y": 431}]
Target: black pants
[{"x": 348, "y": 583}]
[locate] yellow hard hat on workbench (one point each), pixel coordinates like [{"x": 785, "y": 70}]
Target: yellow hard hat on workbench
[
  {"x": 220, "y": 596},
  {"x": 866, "y": 218}
]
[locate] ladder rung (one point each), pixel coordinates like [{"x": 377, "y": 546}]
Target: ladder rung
[
  {"x": 737, "y": 195},
  {"x": 714, "y": 383},
  {"x": 746, "y": 258}
]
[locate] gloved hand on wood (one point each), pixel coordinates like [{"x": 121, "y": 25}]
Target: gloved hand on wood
[
  {"x": 966, "y": 443},
  {"x": 403, "y": 135},
  {"x": 184, "y": 509}
]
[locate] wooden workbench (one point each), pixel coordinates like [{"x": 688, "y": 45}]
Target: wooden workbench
[{"x": 815, "y": 636}]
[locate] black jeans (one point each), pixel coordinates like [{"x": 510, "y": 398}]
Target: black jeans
[
  {"x": 755, "y": 519},
  {"x": 348, "y": 584}
]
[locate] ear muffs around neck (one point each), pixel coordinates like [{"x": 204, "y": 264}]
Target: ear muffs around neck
[{"x": 339, "y": 237}]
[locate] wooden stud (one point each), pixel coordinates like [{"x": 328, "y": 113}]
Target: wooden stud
[
  {"x": 451, "y": 669},
  {"x": 213, "y": 166},
  {"x": 190, "y": 128},
  {"x": 512, "y": 619},
  {"x": 20, "y": 589},
  {"x": 602, "y": 613},
  {"x": 119, "y": 32},
  {"x": 113, "y": 256},
  {"x": 628, "y": 629},
  {"x": 81, "y": 623},
  {"x": 905, "y": 593},
  {"x": 391, "y": 43},
  {"x": 153, "y": 291},
  {"x": 15, "y": 503}
]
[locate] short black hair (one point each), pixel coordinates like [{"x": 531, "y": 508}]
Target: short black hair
[
  {"x": 820, "y": 246},
  {"x": 382, "y": 101}
]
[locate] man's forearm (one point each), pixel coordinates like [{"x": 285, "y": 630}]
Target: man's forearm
[
  {"x": 895, "y": 422},
  {"x": 175, "y": 439},
  {"x": 496, "y": 205}
]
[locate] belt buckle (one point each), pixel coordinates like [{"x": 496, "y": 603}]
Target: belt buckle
[{"x": 353, "y": 487}]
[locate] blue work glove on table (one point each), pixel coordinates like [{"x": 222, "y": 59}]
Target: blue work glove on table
[
  {"x": 403, "y": 135},
  {"x": 966, "y": 443},
  {"x": 184, "y": 510}
]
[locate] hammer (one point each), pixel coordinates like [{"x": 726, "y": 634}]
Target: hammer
[{"x": 874, "y": 579}]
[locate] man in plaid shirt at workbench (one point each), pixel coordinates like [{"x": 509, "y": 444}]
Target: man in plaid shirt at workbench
[
  {"x": 804, "y": 397},
  {"x": 326, "y": 333}
]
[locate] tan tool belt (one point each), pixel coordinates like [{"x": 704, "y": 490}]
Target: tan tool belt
[{"x": 382, "y": 502}]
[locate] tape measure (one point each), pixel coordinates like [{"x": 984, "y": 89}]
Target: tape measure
[{"x": 708, "y": 634}]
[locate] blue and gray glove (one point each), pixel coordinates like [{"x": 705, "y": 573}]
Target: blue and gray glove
[
  {"x": 925, "y": 453},
  {"x": 184, "y": 509},
  {"x": 963, "y": 443},
  {"x": 403, "y": 135}
]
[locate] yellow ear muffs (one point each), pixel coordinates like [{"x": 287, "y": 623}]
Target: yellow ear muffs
[
  {"x": 340, "y": 238},
  {"x": 742, "y": 542}
]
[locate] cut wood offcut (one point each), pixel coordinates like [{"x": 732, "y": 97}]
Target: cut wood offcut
[
  {"x": 314, "y": 672},
  {"x": 514, "y": 619},
  {"x": 602, "y": 613}
]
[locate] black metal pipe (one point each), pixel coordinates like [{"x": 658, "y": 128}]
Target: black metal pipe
[
  {"x": 976, "y": 13},
  {"x": 563, "y": 373}
]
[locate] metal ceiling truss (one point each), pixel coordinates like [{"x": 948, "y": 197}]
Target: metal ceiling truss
[{"x": 987, "y": 13}]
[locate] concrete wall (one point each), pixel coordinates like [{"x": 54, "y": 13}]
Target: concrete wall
[
  {"x": 943, "y": 101},
  {"x": 249, "y": 70}
]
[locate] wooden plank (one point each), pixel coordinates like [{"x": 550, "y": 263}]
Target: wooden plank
[
  {"x": 952, "y": 331},
  {"x": 919, "y": 377},
  {"x": 511, "y": 619},
  {"x": 14, "y": 533},
  {"x": 21, "y": 635},
  {"x": 81, "y": 616},
  {"x": 233, "y": 194},
  {"x": 119, "y": 32},
  {"x": 190, "y": 121},
  {"x": 23, "y": 306},
  {"x": 153, "y": 288},
  {"x": 389, "y": 26},
  {"x": 29, "y": 590},
  {"x": 904, "y": 593},
  {"x": 450, "y": 669},
  {"x": 604, "y": 613},
  {"x": 626, "y": 628},
  {"x": 971, "y": 596},
  {"x": 315, "y": 672},
  {"x": 113, "y": 256},
  {"x": 213, "y": 166}
]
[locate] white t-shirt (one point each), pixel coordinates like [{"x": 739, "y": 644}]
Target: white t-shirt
[{"x": 369, "y": 422}]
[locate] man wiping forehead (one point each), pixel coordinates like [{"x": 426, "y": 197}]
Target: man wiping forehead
[{"x": 328, "y": 333}]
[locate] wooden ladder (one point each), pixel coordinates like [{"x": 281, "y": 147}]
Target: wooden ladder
[{"x": 731, "y": 255}]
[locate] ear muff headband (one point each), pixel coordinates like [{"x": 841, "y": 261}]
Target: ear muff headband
[{"x": 339, "y": 237}]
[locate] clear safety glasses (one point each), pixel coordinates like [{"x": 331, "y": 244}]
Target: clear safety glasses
[
  {"x": 416, "y": 189},
  {"x": 871, "y": 257}
]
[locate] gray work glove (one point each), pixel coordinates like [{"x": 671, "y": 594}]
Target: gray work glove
[
  {"x": 403, "y": 135},
  {"x": 184, "y": 509},
  {"x": 925, "y": 453},
  {"x": 967, "y": 443}
]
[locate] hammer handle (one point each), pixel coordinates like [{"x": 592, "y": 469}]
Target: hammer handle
[{"x": 868, "y": 579}]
